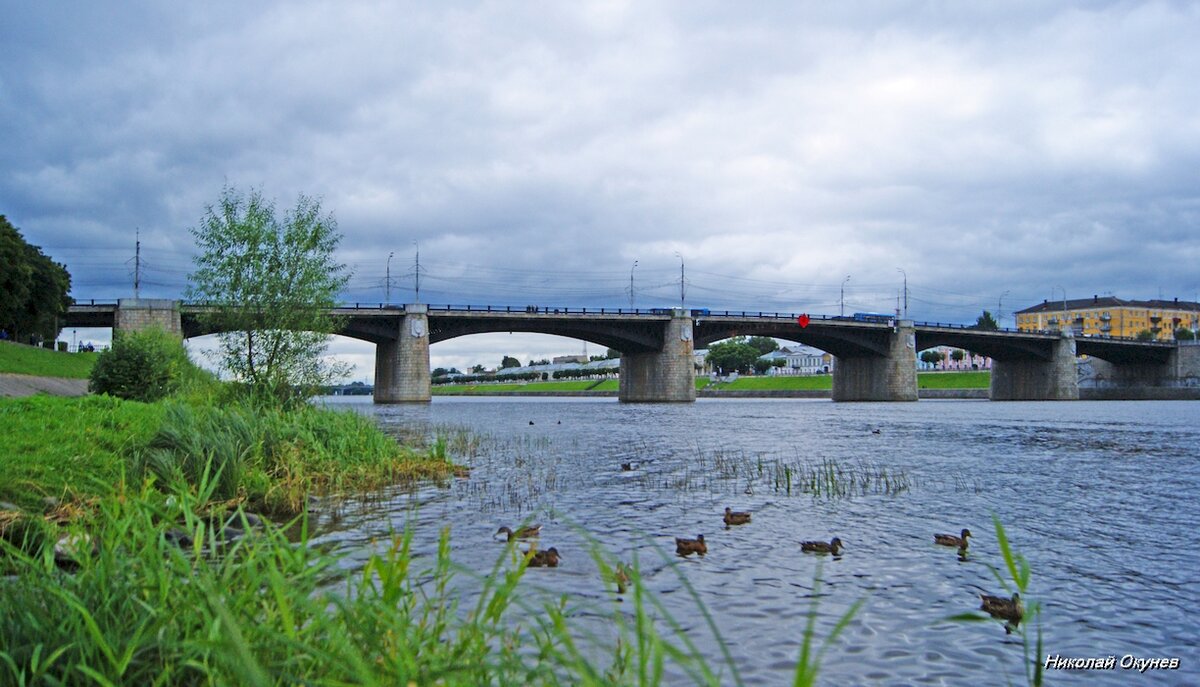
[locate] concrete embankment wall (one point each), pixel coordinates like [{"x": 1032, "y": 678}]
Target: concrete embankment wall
[
  {"x": 713, "y": 393},
  {"x": 12, "y": 385},
  {"x": 1151, "y": 393}
]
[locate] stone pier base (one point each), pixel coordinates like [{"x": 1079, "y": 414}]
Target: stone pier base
[
  {"x": 402, "y": 366},
  {"x": 662, "y": 376},
  {"x": 880, "y": 378}
]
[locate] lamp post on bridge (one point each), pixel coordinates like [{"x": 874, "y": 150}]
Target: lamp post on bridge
[
  {"x": 1062, "y": 323},
  {"x": 631, "y": 269},
  {"x": 901, "y": 271},
  {"x": 842, "y": 297},
  {"x": 387, "y": 280},
  {"x": 1000, "y": 310}
]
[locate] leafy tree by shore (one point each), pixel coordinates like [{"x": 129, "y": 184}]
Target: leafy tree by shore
[
  {"x": 732, "y": 355},
  {"x": 33, "y": 288},
  {"x": 271, "y": 282}
]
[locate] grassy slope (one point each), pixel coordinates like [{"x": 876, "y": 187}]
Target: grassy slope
[
  {"x": 27, "y": 360},
  {"x": 63, "y": 446}
]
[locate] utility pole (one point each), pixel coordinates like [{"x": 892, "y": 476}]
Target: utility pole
[
  {"x": 631, "y": 269},
  {"x": 842, "y": 298},
  {"x": 417, "y": 273},
  {"x": 387, "y": 280},
  {"x": 137, "y": 263},
  {"x": 901, "y": 271},
  {"x": 1000, "y": 310}
]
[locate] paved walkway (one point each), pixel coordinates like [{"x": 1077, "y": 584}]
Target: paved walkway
[{"x": 25, "y": 385}]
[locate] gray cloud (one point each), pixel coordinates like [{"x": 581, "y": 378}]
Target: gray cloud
[{"x": 536, "y": 151}]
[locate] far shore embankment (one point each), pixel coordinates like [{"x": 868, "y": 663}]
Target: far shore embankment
[{"x": 731, "y": 394}]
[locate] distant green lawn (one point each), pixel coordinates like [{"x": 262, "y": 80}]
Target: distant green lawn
[
  {"x": 41, "y": 362},
  {"x": 782, "y": 383},
  {"x": 573, "y": 385},
  {"x": 954, "y": 380}
]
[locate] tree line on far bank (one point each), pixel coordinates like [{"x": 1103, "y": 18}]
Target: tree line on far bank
[{"x": 33, "y": 289}]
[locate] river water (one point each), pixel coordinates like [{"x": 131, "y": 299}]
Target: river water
[{"x": 1100, "y": 497}]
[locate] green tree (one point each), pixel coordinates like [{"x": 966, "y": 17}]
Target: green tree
[
  {"x": 764, "y": 344},
  {"x": 141, "y": 366},
  {"x": 1144, "y": 335},
  {"x": 271, "y": 283},
  {"x": 33, "y": 288},
  {"x": 732, "y": 355},
  {"x": 762, "y": 365},
  {"x": 1184, "y": 334},
  {"x": 986, "y": 322},
  {"x": 476, "y": 369},
  {"x": 509, "y": 361},
  {"x": 612, "y": 354},
  {"x": 932, "y": 357},
  {"x": 957, "y": 355}
]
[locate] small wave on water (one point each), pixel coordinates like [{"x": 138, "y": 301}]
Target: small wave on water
[{"x": 1099, "y": 497}]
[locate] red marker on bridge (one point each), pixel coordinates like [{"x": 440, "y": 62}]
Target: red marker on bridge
[{"x": 803, "y": 320}]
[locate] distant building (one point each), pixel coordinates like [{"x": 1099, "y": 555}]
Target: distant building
[
  {"x": 1111, "y": 316},
  {"x": 800, "y": 360},
  {"x": 969, "y": 361},
  {"x": 581, "y": 359}
]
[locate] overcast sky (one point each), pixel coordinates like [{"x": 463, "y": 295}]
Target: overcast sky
[{"x": 993, "y": 151}]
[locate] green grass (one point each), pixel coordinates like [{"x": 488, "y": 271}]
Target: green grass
[
  {"x": 954, "y": 380},
  {"x": 41, "y": 362},
  {"x": 573, "y": 385},
  {"x": 68, "y": 447},
  {"x": 75, "y": 449},
  {"x": 781, "y": 383},
  {"x": 266, "y": 610}
]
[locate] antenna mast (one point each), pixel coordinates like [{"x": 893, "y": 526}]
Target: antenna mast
[{"x": 417, "y": 273}]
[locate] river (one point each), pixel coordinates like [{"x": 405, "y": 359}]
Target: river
[{"x": 1100, "y": 497}]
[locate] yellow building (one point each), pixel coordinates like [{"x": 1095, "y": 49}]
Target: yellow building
[{"x": 1110, "y": 316}]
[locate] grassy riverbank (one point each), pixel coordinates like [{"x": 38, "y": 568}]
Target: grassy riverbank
[
  {"x": 41, "y": 362},
  {"x": 75, "y": 449}
]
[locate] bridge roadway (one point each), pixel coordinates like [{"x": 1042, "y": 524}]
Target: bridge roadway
[{"x": 876, "y": 360}]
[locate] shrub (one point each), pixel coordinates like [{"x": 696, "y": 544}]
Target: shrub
[{"x": 141, "y": 366}]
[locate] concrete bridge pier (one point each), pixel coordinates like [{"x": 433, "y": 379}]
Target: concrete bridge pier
[
  {"x": 662, "y": 376},
  {"x": 136, "y": 314},
  {"x": 891, "y": 377},
  {"x": 402, "y": 365},
  {"x": 1055, "y": 379}
]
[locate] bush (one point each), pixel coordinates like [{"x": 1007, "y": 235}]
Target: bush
[{"x": 141, "y": 366}]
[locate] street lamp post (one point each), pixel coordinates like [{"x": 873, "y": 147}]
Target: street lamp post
[
  {"x": 1062, "y": 323},
  {"x": 842, "y": 297},
  {"x": 631, "y": 269},
  {"x": 387, "y": 279},
  {"x": 1000, "y": 310},
  {"x": 901, "y": 271}
]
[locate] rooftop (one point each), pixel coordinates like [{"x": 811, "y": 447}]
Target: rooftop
[{"x": 1109, "y": 302}]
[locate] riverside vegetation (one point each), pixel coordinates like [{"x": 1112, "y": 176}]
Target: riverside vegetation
[{"x": 118, "y": 566}]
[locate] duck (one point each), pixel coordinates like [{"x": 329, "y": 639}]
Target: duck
[
  {"x": 833, "y": 546},
  {"x": 627, "y": 467},
  {"x": 999, "y": 607},
  {"x": 543, "y": 559},
  {"x": 684, "y": 547},
  {"x": 733, "y": 517},
  {"x": 522, "y": 532},
  {"x": 951, "y": 540},
  {"x": 622, "y": 576}
]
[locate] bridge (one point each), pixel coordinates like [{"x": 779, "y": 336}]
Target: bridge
[{"x": 876, "y": 357}]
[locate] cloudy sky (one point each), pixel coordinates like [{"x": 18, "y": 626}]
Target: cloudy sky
[{"x": 998, "y": 153}]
